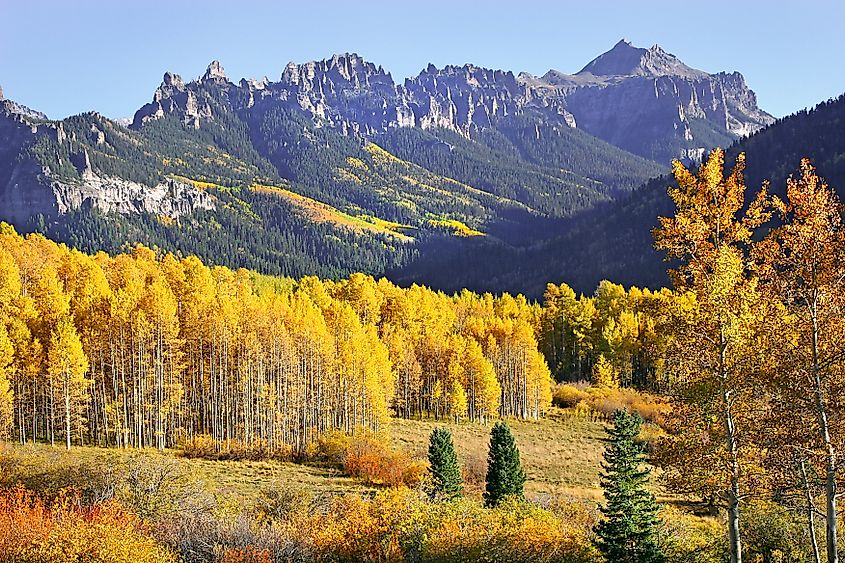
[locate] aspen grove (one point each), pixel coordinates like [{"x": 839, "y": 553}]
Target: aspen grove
[{"x": 148, "y": 350}]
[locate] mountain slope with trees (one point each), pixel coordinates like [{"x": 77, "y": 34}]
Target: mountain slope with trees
[
  {"x": 246, "y": 173},
  {"x": 614, "y": 240}
]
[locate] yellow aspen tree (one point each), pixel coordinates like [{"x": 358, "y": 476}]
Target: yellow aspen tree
[
  {"x": 7, "y": 398},
  {"x": 605, "y": 373},
  {"x": 717, "y": 349},
  {"x": 803, "y": 263},
  {"x": 68, "y": 364},
  {"x": 482, "y": 387}
]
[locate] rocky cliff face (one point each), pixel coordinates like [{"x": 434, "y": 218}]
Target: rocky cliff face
[
  {"x": 29, "y": 188},
  {"x": 645, "y": 101}
]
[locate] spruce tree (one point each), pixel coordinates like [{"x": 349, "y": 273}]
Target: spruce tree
[
  {"x": 627, "y": 534},
  {"x": 505, "y": 476},
  {"x": 445, "y": 472}
]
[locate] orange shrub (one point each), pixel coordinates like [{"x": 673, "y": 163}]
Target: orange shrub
[
  {"x": 62, "y": 531},
  {"x": 370, "y": 459}
]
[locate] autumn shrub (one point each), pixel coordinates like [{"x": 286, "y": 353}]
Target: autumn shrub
[
  {"x": 199, "y": 446},
  {"x": 400, "y": 525},
  {"x": 772, "y": 533},
  {"x": 199, "y": 538},
  {"x": 247, "y": 554},
  {"x": 384, "y": 528},
  {"x": 603, "y": 401},
  {"x": 370, "y": 459},
  {"x": 567, "y": 395},
  {"x": 153, "y": 487},
  {"x": 474, "y": 472},
  {"x": 513, "y": 531},
  {"x": 692, "y": 539},
  {"x": 94, "y": 480},
  {"x": 204, "y": 446},
  {"x": 32, "y": 530},
  {"x": 330, "y": 447},
  {"x": 278, "y": 501}
]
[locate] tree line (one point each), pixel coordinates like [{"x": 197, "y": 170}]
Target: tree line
[{"x": 147, "y": 350}]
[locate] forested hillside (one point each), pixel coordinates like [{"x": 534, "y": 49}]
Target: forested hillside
[{"x": 614, "y": 241}]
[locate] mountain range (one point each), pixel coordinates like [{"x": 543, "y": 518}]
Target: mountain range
[{"x": 336, "y": 167}]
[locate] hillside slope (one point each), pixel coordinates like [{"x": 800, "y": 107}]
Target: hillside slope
[{"x": 614, "y": 241}]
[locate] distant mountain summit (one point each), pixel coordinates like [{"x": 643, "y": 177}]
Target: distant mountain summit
[
  {"x": 626, "y": 60},
  {"x": 648, "y": 102}
]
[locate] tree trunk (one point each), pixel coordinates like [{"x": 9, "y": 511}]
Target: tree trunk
[
  {"x": 811, "y": 513},
  {"x": 730, "y": 435},
  {"x": 830, "y": 451},
  {"x": 67, "y": 410}
]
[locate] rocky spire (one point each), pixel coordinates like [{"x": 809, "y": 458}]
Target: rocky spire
[
  {"x": 173, "y": 80},
  {"x": 214, "y": 71}
]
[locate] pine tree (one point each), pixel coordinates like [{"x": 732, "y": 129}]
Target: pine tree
[
  {"x": 627, "y": 533},
  {"x": 445, "y": 472},
  {"x": 505, "y": 476}
]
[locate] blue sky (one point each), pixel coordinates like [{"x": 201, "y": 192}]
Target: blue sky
[{"x": 68, "y": 56}]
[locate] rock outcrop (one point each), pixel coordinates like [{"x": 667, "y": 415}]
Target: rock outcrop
[{"x": 28, "y": 188}]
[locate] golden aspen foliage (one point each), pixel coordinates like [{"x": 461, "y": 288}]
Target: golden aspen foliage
[
  {"x": 147, "y": 350},
  {"x": 67, "y": 367},
  {"x": 717, "y": 354},
  {"x": 605, "y": 374}
]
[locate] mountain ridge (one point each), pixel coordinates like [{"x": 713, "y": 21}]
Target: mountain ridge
[{"x": 452, "y": 154}]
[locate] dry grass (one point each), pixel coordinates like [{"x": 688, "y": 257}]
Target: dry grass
[
  {"x": 561, "y": 453},
  {"x": 561, "y": 456},
  {"x": 230, "y": 482}
]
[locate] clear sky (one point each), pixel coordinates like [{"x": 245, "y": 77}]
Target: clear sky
[{"x": 68, "y": 56}]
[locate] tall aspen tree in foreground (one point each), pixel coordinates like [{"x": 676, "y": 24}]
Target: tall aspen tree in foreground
[
  {"x": 804, "y": 264},
  {"x": 715, "y": 351},
  {"x": 7, "y": 397}
]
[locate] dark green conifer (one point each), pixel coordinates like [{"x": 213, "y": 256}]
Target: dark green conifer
[
  {"x": 446, "y": 481},
  {"x": 505, "y": 476},
  {"x": 627, "y": 534}
]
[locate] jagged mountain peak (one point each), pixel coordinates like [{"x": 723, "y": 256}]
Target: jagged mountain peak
[
  {"x": 466, "y": 75},
  {"x": 214, "y": 72},
  {"x": 624, "y": 59},
  {"x": 348, "y": 67},
  {"x": 616, "y": 97},
  {"x": 11, "y": 107}
]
